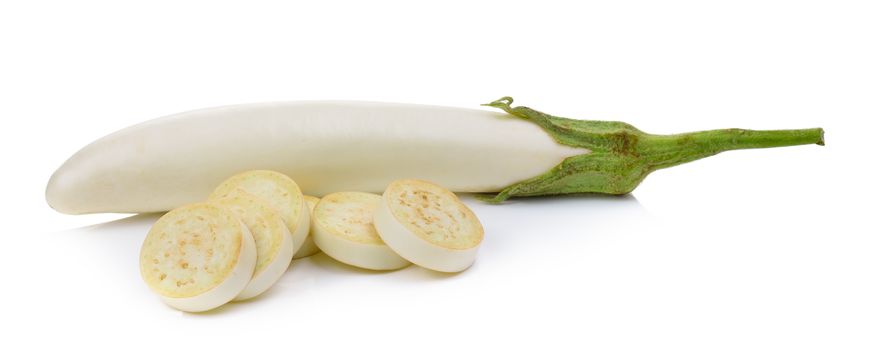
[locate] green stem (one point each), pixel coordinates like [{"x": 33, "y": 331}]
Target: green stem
[
  {"x": 662, "y": 151},
  {"x": 620, "y": 156}
]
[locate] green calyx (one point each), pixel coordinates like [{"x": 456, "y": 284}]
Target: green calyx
[{"x": 621, "y": 156}]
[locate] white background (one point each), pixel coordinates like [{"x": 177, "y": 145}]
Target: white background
[{"x": 761, "y": 249}]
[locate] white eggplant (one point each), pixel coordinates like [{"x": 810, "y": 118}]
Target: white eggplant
[
  {"x": 308, "y": 247},
  {"x": 362, "y": 146},
  {"x": 198, "y": 257},
  {"x": 428, "y": 226},
  {"x": 272, "y": 239},
  {"x": 325, "y": 147},
  {"x": 343, "y": 229}
]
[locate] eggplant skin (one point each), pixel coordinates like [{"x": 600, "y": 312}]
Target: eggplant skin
[{"x": 325, "y": 146}]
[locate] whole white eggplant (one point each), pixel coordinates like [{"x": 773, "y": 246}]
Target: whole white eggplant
[{"x": 331, "y": 146}]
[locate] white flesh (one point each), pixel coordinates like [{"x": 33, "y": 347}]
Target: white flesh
[
  {"x": 273, "y": 240},
  {"x": 226, "y": 291},
  {"x": 343, "y": 230},
  {"x": 325, "y": 146},
  {"x": 276, "y": 189},
  {"x": 198, "y": 257},
  {"x": 428, "y": 226}
]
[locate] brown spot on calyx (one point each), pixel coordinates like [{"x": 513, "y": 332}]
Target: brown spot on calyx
[{"x": 624, "y": 143}]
